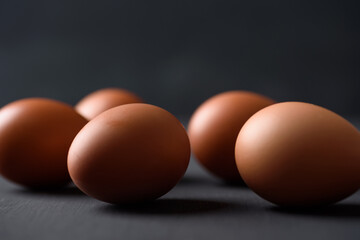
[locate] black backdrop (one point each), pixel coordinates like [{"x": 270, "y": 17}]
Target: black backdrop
[{"x": 175, "y": 54}]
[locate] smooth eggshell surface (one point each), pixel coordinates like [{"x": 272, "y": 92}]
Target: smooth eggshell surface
[
  {"x": 101, "y": 100},
  {"x": 214, "y": 126},
  {"x": 299, "y": 154},
  {"x": 35, "y": 136},
  {"x": 131, "y": 153}
]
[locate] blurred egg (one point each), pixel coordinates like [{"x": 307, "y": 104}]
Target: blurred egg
[
  {"x": 130, "y": 153},
  {"x": 35, "y": 136},
  {"x": 214, "y": 126},
  {"x": 299, "y": 154},
  {"x": 101, "y": 100}
]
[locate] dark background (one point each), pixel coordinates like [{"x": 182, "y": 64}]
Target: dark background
[{"x": 175, "y": 54}]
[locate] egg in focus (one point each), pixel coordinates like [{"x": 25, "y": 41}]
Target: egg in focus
[
  {"x": 299, "y": 154},
  {"x": 131, "y": 153}
]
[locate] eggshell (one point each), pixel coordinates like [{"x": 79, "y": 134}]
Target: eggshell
[
  {"x": 130, "y": 153},
  {"x": 35, "y": 135},
  {"x": 214, "y": 126},
  {"x": 299, "y": 154},
  {"x": 101, "y": 100}
]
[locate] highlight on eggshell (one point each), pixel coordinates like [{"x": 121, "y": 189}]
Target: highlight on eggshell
[
  {"x": 298, "y": 154},
  {"x": 103, "y": 99},
  {"x": 214, "y": 126}
]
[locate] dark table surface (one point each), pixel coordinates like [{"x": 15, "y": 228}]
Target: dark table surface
[{"x": 199, "y": 207}]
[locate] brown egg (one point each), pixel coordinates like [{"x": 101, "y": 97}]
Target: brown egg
[
  {"x": 131, "y": 153},
  {"x": 214, "y": 126},
  {"x": 104, "y": 99},
  {"x": 299, "y": 154},
  {"x": 35, "y": 136}
]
